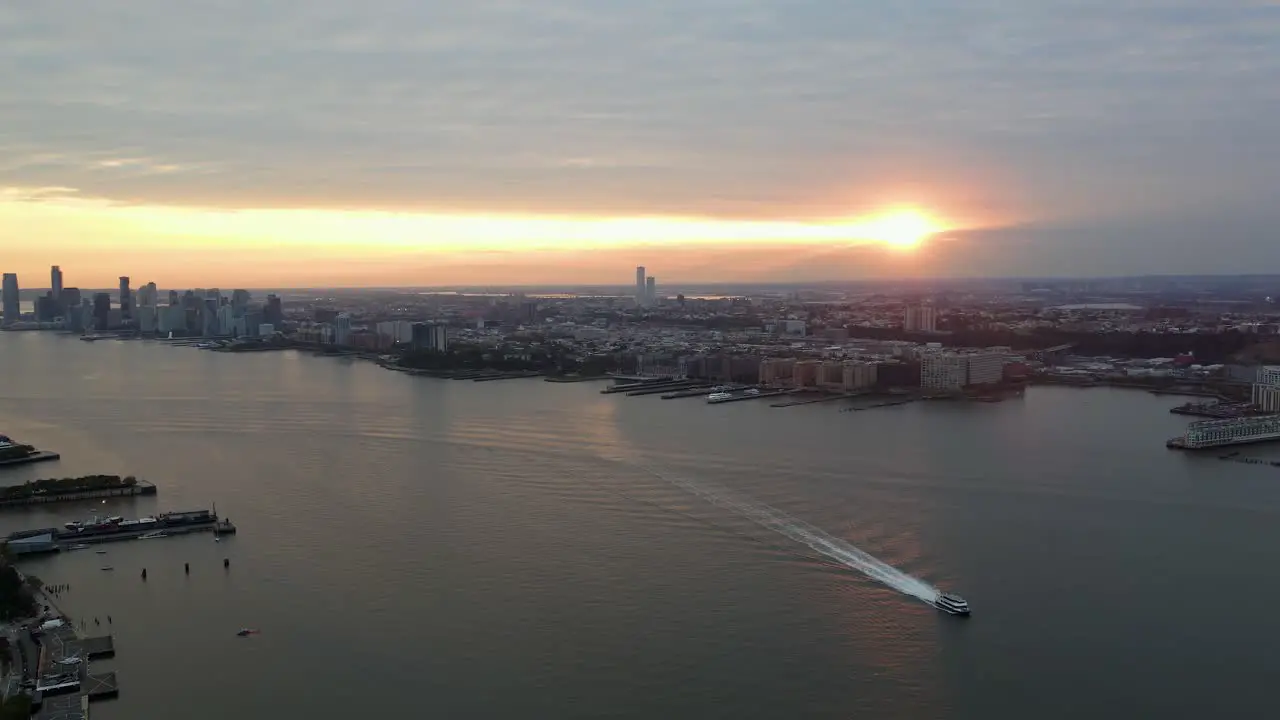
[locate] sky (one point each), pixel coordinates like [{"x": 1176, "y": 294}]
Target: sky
[{"x": 423, "y": 142}]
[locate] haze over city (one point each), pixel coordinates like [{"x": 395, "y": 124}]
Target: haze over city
[{"x": 393, "y": 142}]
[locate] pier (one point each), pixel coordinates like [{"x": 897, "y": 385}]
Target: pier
[
  {"x": 37, "y": 456},
  {"x": 63, "y": 690},
  {"x": 43, "y": 498},
  {"x": 820, "y": 399},
  {"x": 748, "y": 396},
  {"x": 666, "y": 388},
  {"x": 667, "y": 383}
]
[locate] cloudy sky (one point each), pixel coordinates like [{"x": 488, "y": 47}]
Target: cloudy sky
[{"x": 432, "y": 142}]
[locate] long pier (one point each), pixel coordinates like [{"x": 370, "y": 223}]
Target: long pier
[
  {"x": 691, "y": 385},
  {"x": 746, "y": 396},
  {"x": 37, "y": 456},
  {"x": 142, "y": 488}
]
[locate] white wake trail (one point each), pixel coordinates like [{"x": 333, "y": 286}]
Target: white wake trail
[{"x": 802, "y": 532}]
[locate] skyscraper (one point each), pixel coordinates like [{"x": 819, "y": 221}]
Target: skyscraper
[
  {"x": 640, "y": 275},
  {"x": 240, "y": 302},
  {"x": 101, "y": 312},
  {"x": 651, "y": 290},
  {"x": 70, "y": 301},
  {"x": 55, "y": 283},
  {"x": 126, "y": 299},
  {"x": 273, "y": 313},
  {"x": 9, "y": 294},
  {"x": 342, "y": 329}
]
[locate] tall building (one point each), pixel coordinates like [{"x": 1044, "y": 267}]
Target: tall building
[
  {"x": 55, "y": 282},
  {"x": 126, "y": 299},
  {"x": 69, "y": 301},
  {"x": 1266, "y": 391},
  {"x": 651, "y": 290},
  {"x": 173, "y": 297},
  {"x": 640, "y": 285},
  {"x": 227, "y": 320},
  {"x": 431, "y": 337},
  {"x": 9, "y": 293},
  {"x": 240, "y": 302},
  {"x": 946, "y": 370},
  {"x": 920, "y": 318},
  {"x": 209, "y": 314},
  {"x": 86, "y": 315},
  {"x": 148, "y": 295},
  {"x": 101, "y": 312},
  {"x": 273, "y": 312},
  {"x": 342, "y": 329}
]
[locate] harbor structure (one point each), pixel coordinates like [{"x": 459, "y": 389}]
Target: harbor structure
[{"x": 1231, "y": 431}]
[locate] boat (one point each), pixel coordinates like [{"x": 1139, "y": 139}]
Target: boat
[
  {"x": 719, "y": 396},
  {"x": 79, "y": 547},
  {"x": 102, "y": 552},
  {"x": 953, "y": 604},
  {"x": 246, "y": 632},
  {"x": 107, "y": 567},
  {"x": 150, "y": 535}
]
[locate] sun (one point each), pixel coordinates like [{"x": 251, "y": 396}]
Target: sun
[{"x": 900, "y": 230}]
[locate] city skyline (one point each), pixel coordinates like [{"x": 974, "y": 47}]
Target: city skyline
[{"x": 396, "y": 143}]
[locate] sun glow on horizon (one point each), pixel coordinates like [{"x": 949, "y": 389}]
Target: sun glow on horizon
[{"x": 61, "y": 223}]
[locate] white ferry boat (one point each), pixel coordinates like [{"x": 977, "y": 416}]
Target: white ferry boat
[
  {"x": 953, "y": 604},
  {"x": 719, "y": 396}
]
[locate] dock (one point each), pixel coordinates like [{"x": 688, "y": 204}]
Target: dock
[
  {"x": 885, "y": 404},
  {"x": 142, "y": 488},
  {"x": 692, "y": 392},
  {"x": 821, "y": 399},
  {"x": 746, "y": 396},
  {"x": 692, "y": 385},
  {"x": 667, "y": 383},
  {"x": 64, "y": 691},
  {"x": 37, "y": 456}
]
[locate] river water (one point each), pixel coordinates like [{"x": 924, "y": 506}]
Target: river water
[{"x": 433, "y": 548}]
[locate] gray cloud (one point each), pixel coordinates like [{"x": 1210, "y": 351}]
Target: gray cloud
[{"x": 1114, "y": 116}]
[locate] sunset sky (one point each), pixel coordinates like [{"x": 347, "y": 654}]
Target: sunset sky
[{"x": 419, "y": 142}]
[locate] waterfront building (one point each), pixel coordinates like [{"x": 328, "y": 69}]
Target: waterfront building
[
  {"x": 9, "y": 294},
  {"x": 776, "y": 372},
  {"x": 171, "y": 318},
  {"x": 227, "y": 320},
  {"x": 46, "y": 308},
  {"x": 55, "y": 283},
  {"x": 240, "y": 302},
  {"x": 342, "y": 329},
  {"x": 920, "y": 318},
  {"x": 86, "y": 312},
  {"x": 943, "y": 371},
  {"x": 69, "y": 301},
  {"x": 430, "y": 337},
  {"x": 857, "y": 375},
  {"x": 946, "y": 370},
  {"x": 145, "y": 316},
  {"x": 805, "y": 373},
  {"x": 273, "y": 312},
  {"x": 1266, "y": 390},
  {"x": 101, "y": 312},
  {"x": 1232, "y": 431},
  {"x": 126, "y": 299}
]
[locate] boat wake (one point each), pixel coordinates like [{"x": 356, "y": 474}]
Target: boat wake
[{"x": 842, "y": 551}]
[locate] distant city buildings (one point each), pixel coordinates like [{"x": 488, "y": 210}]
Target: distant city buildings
[
  {"x": 55, "y": 283},
  {"x": 126, "y": 299},
  {"x": 641, "y": 288}
]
